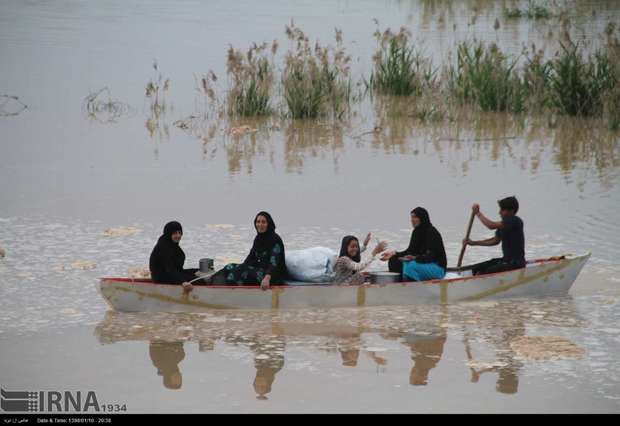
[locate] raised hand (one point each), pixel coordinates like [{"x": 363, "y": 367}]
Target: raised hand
[
  {"x": 367, "y": 239},
  {"x": 379, "y": 248}
]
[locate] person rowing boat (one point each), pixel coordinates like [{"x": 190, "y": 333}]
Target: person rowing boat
[{"x": 508, "y": 231}]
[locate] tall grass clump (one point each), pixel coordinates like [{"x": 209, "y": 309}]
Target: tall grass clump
[
  {"x": 533, "y": 11},
  {"x": 611, "y": 99},
  {"x": 577, "y": 85},
  {"x": 316, "y": 79},
  {"x": 486, "y": 77},
  {"x": 399, "y": 69},
  {"x": 251, "y": 77},
  {"x": 536, "y": 75}
]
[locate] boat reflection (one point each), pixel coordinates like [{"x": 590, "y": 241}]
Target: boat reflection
[
  {"x": 486, "y": 331},
  {"x": 166, "y": 357}
]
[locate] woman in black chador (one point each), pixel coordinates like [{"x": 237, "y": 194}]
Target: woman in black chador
[
  {"x": 265, "y": 265},
  {"x": 425, "y": 258},
  {"x": 167, "y": 258}
]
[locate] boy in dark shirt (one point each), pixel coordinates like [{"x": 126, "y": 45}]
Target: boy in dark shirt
[{"x": 509, "y": 232}]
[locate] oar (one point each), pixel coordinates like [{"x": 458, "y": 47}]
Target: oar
[
  {"x": 471, "y": 222},
  {"x": 208, "y": 275}
]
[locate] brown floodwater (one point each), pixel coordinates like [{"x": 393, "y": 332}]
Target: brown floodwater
[{"x": 70, "y": 169}]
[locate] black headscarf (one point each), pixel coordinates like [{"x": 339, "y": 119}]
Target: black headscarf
[
  {"x": 167, "y": 257},
  {"x": 265, "y": 240},
  {"x": 264, "y": 243},
  {"x": 345, "y": 245},
  {"x": 422, "y": 214},
  {"x": 172, "y": 247},
  {"x": 426, "y": 242},
  {"x": 169, "y": 229}
]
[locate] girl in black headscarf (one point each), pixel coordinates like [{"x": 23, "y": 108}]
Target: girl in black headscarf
[
  {"x": 167, "y": 258},
  {"x": 264, "y": 265},
  {"x": 425, "y": 258}
]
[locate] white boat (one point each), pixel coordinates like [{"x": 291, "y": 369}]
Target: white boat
[{"x": 540, "y": 278}]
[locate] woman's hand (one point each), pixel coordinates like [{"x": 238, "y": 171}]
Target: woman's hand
[
  {"x": 187, "y": 287},
  {"x": 266, "y": 282},
  {"x": 367, "y": 239},
  {"x": 387, "y": 255},
  {"x": 467, "y": 242},
  {"x": 379, "y": 248}
]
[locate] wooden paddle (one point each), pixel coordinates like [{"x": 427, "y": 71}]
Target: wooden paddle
[{"x": 471, "y": 222}]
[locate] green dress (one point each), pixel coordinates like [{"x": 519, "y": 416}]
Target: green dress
[{"x": 261, "y": 261}]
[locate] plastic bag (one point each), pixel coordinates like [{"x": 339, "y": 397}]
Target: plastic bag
[{"x": 315, "y": 264}]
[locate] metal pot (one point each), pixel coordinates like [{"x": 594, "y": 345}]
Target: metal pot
[
  {"x": 206, "y": 265},
  {"x": 384, "y": 277}
]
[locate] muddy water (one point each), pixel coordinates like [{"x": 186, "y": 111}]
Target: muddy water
[{"x": 66, "y": 177}]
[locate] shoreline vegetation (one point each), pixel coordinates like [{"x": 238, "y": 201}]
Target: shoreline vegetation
[{"x": 313, "y": 81}]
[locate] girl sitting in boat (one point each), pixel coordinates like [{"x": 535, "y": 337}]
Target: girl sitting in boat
[
  {"x": 167, "y": 258},
  {"x": 266, "y": 262},
  {"x": 348, "y": 268},
  {"x": 425, "y": 258}
]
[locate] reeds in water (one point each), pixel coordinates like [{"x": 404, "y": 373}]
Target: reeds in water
[
  {"x": 399, "y": 69},
  {"x": 252, "y": 79},
  {"x": 316, "y": 79},
  {"x": 484, "y": 76},
  {"x": 533, "y": 11}
]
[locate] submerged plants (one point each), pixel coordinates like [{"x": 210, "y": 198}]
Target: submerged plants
[
  {"x": 156, "y": 90},
  {"x": 101, "y": 107},
  {"x": 10, "y": 105},
  {"x": 399, "y": 69},
  {"x": 316, "y": 79},
  {"x": 483, "y": 75},
  {"x": 252, "y": 78},
  {"x": 577, "y": 85},
  {"x": 533, "y": 11}
]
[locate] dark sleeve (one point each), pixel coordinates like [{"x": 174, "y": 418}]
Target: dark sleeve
[
  {"x": 408, "y": 250},
  {"x": 276, "y": 259}
]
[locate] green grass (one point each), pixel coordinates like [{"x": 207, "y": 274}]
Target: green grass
[
  {"x": 533, "y": 11},
  {"x": 316, "y": 80},
  {"x": 484, "y": 76},
  {"x": 576, "y": 85},
  {"x": 251, "y": 75},
  {"x": 399, "y": 69}
]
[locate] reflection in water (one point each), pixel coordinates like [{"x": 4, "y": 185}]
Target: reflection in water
[
  {"x": 349, "y": 350},
  {"x": 426, "y": 351},
  {"x": 166, "y": 357},
  {"x": 507, "y": 366},
  {"x": 459, "y": 137},
  {"x": 157, "y": 123},
  {"x": 306, "y": 138},
  {"x": 99, "y": 106},
  {"x": 268, "y": 360},
  {"x": 485, "y": 329}
]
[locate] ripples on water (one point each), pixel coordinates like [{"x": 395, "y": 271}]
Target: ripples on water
[{"x": 486, "y": 333}]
